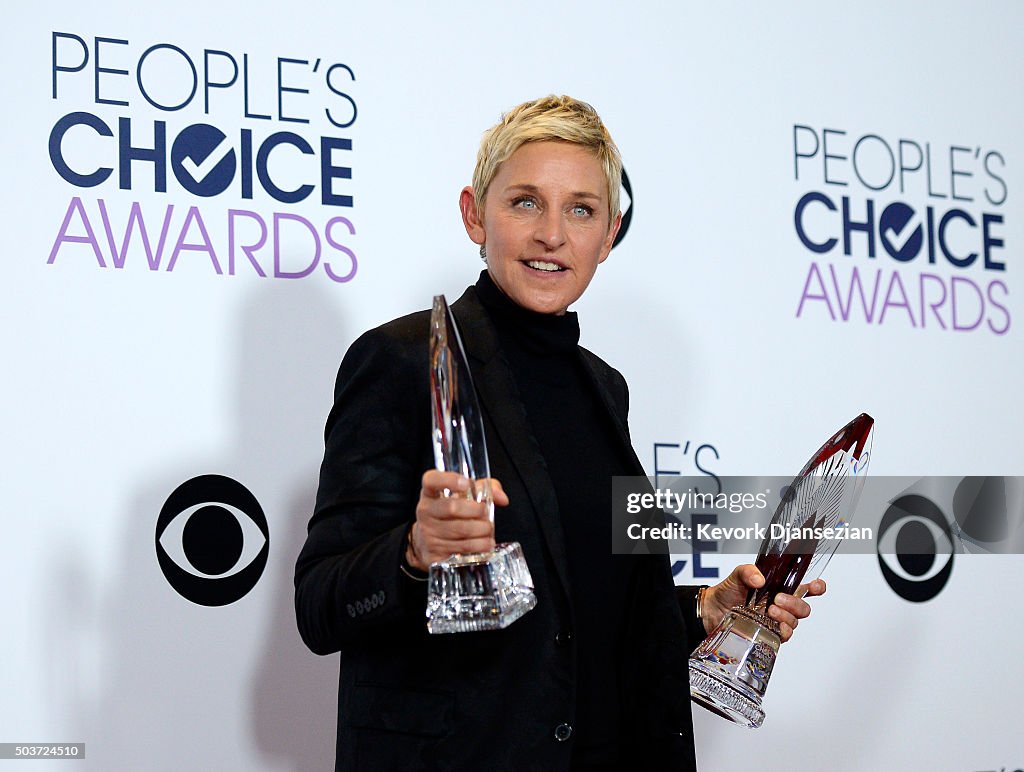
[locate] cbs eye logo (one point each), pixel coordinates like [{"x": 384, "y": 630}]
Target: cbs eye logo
[
  {"x": 915, "y": 548},
  {"x": 626, "y": 204},
  {"x": 212, "y": 540}
]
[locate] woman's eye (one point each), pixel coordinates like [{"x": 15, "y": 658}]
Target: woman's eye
[
  {"x": 525, "y": 203},
  {"x": 582, "y": 211}
]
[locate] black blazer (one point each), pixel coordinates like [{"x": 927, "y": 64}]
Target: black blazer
[{"x": 494, "y": 700}]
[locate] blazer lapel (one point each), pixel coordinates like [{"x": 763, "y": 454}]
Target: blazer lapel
[
  {"x": 499, "y": 398},
  {"x": 616, "y": 412}
]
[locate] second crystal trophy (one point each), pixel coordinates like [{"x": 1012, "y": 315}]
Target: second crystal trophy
[
  {"x": 730, "y": 669},
  {"x": 480, "y": 591}
]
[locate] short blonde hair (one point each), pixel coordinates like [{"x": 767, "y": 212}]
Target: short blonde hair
[{"x": 552, "y": 117}]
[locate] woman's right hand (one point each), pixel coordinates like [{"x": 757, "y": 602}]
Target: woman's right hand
[{"x": 452, "y": 524}]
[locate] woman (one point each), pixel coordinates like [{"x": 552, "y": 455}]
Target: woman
[{"x": 595, "y": 676}]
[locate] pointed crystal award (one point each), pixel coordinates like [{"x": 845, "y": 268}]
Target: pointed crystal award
[
  {"x": 480, "y": 591},
  {"x": 730, "y": 669}
]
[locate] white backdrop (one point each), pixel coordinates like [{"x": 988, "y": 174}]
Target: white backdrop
[{"x": 122, "y": 383}]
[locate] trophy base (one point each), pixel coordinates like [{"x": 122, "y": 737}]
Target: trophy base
[
  {"x": 729, "y": 671},
  {"x": 481, "y": 591}
]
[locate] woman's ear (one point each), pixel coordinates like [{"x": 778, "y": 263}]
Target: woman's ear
[
  {"x": 609, "y": 240},
  {"x": 472, "y": 217}
]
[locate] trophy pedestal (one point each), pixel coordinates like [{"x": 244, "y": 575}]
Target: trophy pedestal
[
  {"x": 729, "y": 671},
  {"x": 481, "y": 591}
]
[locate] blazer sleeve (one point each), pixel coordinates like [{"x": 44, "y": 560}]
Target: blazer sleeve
[
  {"x": 686, "y": 597},
  {"x": 348, "y": 582}
]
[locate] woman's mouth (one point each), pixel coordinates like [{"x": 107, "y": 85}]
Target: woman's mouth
[{"x": 544, "y": 265}]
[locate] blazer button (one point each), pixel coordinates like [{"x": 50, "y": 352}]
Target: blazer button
[
  {"x": 564, "y": 637},
  {"x": 563, "y": 732}
]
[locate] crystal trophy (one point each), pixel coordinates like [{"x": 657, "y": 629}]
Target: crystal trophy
[
  {"x": 730, "y": 669},
  {"x": 479, "y": 591}
]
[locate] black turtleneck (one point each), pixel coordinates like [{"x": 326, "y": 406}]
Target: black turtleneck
[{"x": 582, "y": 452}]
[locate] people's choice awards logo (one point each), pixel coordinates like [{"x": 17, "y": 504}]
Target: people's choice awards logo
[
  {"x": 137, "y": 131},
  {"x": 212, "y": 540},
  {"x": 901, "y": 231}
]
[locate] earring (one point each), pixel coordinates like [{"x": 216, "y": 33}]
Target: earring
[{"x": 483, "y": 253}]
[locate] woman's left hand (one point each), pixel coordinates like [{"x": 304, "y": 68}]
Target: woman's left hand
[{"x": 785, "y": 609}]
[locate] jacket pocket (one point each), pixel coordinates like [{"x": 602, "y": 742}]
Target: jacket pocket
[{"x": 400, "y": 729}]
